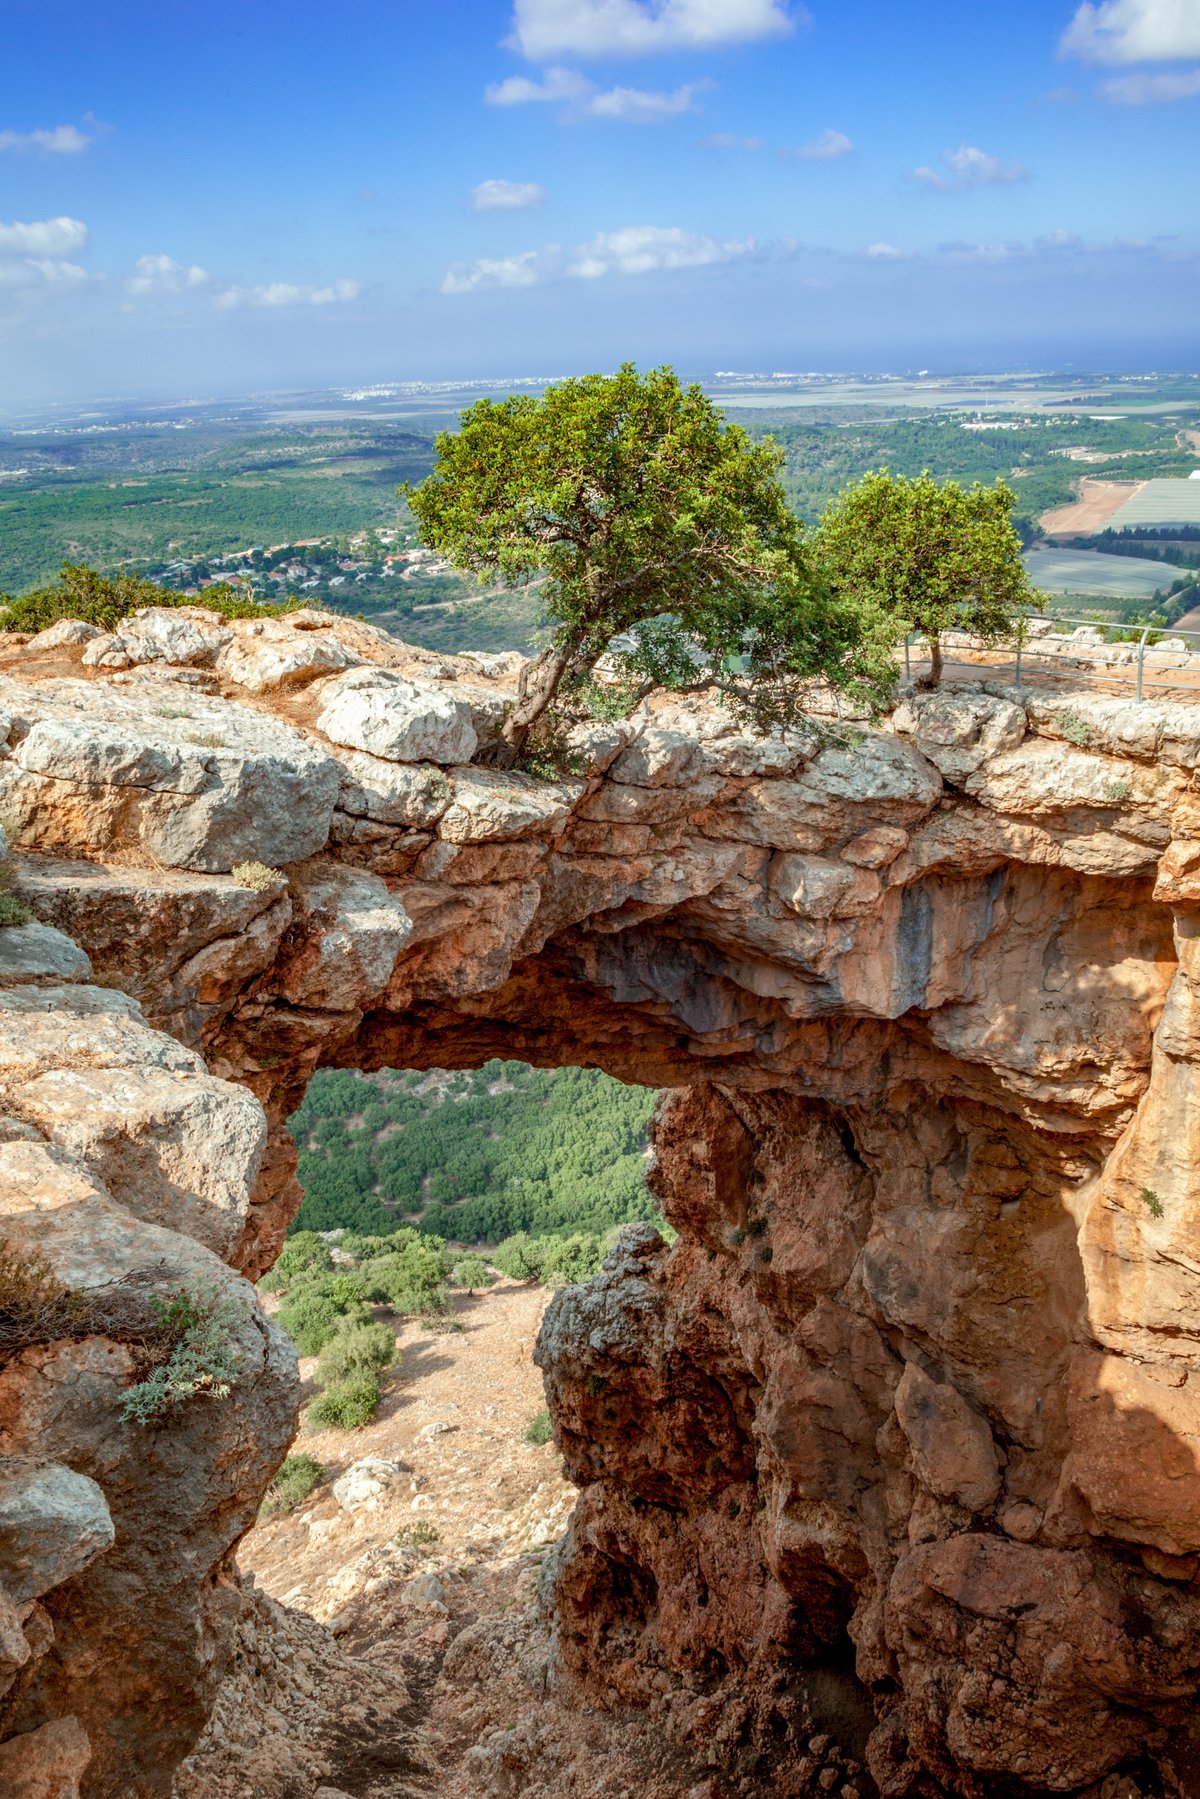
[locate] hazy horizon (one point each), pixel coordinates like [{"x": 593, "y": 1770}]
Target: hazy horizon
[{"x": 215, "y": 200}]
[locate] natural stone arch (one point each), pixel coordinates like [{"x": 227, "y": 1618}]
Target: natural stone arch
[{"x": 919, "y": 1366}]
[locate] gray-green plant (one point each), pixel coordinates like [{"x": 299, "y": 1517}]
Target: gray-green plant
[
  {"x": 1074, "y": 727},
  {"x": 356, "y": 1349},
  {"x": 204, "y": 1362}
]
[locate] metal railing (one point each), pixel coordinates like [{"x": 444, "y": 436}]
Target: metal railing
[{"x": 1045, "y": 650}]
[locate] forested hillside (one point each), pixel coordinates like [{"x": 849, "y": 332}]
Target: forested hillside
[{"x": 472, "y": 1157}]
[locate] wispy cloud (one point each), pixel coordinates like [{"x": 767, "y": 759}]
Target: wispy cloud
[
  {"x": 970, "y": 167},
  {"x": 728, "y": 140},
  {"x": 162, "y": 276},
  {"x": 886, "y": 252},
  {"x": 1151, "y": 90},
  {"x": 582, "y": 99},
  {"x": 288, "y": 293},
  {"x": 547, "y": 28},
  {"x": 59, "y": 140},
  {"x": 635, "y": 250},
  {"x": 58, "y": 237},
  {"x": 1129, "y": 31},
  {"x": 826, "y": 148},
  {"x": 506, "y": 196}
]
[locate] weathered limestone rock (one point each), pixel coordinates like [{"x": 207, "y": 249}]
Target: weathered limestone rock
[
  {"x": 364, "y": 1481},
  {"x": 282, "y": 652},
  {"x": 913, "y": 1389},
  {"x": 402, "y": 721},
  {"x": 186, "y": 636},
  {"x": 53, "y": 1522},
  {"x": 193, "y": 782}
]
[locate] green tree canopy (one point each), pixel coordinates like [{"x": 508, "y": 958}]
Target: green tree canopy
[
  {"x": 934, "y": 555},
  {"x": 646, "y": 514}
]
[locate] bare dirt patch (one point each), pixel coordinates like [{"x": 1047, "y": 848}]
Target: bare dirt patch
[{"x": 1097, "y": 502}]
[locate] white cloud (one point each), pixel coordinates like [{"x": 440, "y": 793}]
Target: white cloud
[
  {"x": 60, "y": 140},
  {"x": 523, "y": 270},
  {"x": 545, "y": 28},
  {"x": 636, "y": 250},
  {"x": 287, "y": 293},
  {"x": 582, "y": 99},
  {"x": 970, "y": 167},
  {"x": 556, "y": 84},
  {"x": 827, "y": 147},
  {"x": 1150, "y": 90},
  {"x": 886, "y": 252},
  {"x": 506, "y": 196},
  {"x": 163, "y": 275},
  {"x": 635, "y": 106},
  {"x": 727, "y": 140},
  {"x": 42, "y": 271},
  {"x": 640, "y": 249},
  {"x": 56, "y": 238},
  {"x": 1125, "y": 31}
]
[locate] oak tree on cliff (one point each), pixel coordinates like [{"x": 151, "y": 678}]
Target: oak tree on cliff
[
  {"x": 652, "y": 522},
  {"x": 933, "y": 555}
]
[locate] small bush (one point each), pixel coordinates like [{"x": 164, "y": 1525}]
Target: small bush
[
  {"x": 312, "y": 1312},
  {"x": 13, "y": 911},
  {"x": 255, "y": 875},
  {"x": 204, "y": 1362},
  {"x": 1075, "y": 728},
  {"x": 292, "y": 1485},
  {"x": 416, "y": 1536},
  {"x": 356, "y": 1349},
  {"x": 347, "y": 1405},
  {"x": 540, "y": 1429},
  {"x": 81, "y": 592},
  {"x": 1152, "y": 1202},
  {"x": 301, "y": 1255},
  {"x": 517, "y": 1257},
  {"x": 471, "y": 1272}
]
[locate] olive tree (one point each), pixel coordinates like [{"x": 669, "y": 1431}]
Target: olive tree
[
  {"x": 650, "y": 521},
  {"x": 933, "y": 555}
]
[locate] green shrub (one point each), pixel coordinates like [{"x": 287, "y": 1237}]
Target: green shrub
[
  {"x": 412, "y": 1279},
  {"x": 312, "y": 1312},
  {"x": 540, "y": 1429},
  {"x": 356, "y": 1349},
  {"x": 1152, "y": 1202},
  {"x": 13, "y": 911},
  {"x": 204, "y": 1362},
  {"x": 292, "y": 1485},
  {"x": 302, "y": 1254},
  {"x": 80, "y": 592},
  {"x": 347, "y": 1405},
  {"x": 471, "y": 1272},
  {"x": 517, "y": 1257},
  {"x": 565, "y": 1260}
]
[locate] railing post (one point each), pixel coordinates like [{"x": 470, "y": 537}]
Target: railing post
[{"x": 1141, "y": 660}]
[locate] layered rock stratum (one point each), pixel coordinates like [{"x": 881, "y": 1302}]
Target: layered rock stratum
[{"x": 906, "y": 1420}]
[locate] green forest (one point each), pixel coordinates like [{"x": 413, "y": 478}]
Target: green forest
[{"x": 472, "y": 1157}]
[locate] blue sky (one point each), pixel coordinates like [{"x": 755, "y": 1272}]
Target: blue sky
[{"x": 215, "y": 197}]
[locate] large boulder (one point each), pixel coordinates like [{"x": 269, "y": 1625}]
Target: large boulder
[
  {"x": 188, "y": 780},
  {"x": 403, "y": 721}
]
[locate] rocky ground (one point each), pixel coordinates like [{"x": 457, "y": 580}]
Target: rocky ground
[{"x": 392, "y": 1643}]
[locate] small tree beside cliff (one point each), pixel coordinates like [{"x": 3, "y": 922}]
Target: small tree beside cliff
[
  {"x": 647, "y": 515},
  {"x": 933, "y": 555}
]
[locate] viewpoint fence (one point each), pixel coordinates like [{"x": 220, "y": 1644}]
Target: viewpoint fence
[{"x": 1049, "y": 651}]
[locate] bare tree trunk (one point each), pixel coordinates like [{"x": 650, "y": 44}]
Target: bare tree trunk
[
  {"x": 933, "y": 678},
  {"x": 539, "y": 685}
]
